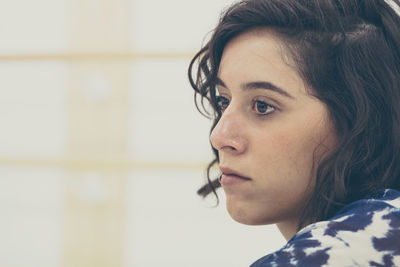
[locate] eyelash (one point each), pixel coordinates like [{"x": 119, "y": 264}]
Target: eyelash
[{"x": 222, "y": 106}]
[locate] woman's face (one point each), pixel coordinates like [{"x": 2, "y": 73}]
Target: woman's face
[{"x": 270, "y": 134}]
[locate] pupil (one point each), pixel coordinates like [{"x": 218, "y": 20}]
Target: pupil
[
  {"x": 222, "y": 103},
  {"x": 262, "y": 107}
]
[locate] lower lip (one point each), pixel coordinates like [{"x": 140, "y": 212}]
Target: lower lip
[{"x": 230, "y": 180}]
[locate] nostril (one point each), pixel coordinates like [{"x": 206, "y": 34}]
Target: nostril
[
  {"x": 235, "y": 145},
  {"x": 231, "y": 148}
]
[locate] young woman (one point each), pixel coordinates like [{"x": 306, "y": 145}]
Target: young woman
[{"x": 305, "y": 97}]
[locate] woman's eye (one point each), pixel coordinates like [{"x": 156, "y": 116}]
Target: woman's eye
[
  {"x": 263, "y": 108},
  {"x": 222, "y": 103}
]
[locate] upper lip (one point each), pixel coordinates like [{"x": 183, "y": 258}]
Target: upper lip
[{"x": 229, "y": 171}]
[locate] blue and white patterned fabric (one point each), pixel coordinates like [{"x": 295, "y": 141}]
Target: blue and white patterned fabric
[{"x": 363, "y": 233}]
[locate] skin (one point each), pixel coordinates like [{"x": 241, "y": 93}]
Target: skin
[{"x": 270, "y": 137}]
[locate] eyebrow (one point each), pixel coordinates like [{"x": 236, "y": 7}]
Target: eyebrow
[{"x": 258, "y": 85}]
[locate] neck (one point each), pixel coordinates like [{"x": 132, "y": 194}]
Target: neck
[{"x": 288, "y": 229}]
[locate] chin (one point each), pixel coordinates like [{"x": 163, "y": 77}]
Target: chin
[{"x": 246, "y": 216}]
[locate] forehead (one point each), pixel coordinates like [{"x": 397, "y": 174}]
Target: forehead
[
  {"x": 260, "y": 43},
  {"x": 259, "y": 55}
]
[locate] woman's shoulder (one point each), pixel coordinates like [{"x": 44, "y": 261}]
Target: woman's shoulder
[{"x": 363, "y": 233}]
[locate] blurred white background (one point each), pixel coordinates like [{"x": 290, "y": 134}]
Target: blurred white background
[{"x": 101, "y": 147}]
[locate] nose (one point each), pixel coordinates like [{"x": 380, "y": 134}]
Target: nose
[{"x": 228, "y": 135}]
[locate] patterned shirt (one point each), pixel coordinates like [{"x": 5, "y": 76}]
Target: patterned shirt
[{"x": 363, "y": 233}]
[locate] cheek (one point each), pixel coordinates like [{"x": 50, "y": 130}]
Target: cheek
[{"x": 290, "y": 154}]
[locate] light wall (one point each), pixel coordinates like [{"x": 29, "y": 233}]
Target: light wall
[{"x": 101, "y": 147}]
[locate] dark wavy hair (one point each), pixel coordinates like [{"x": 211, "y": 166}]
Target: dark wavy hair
[{"x": 348, "y": 52}]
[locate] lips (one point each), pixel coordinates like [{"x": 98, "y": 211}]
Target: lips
[
  {"x": 230, "y": 177},
  {"x": 229, "y": 172}
]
